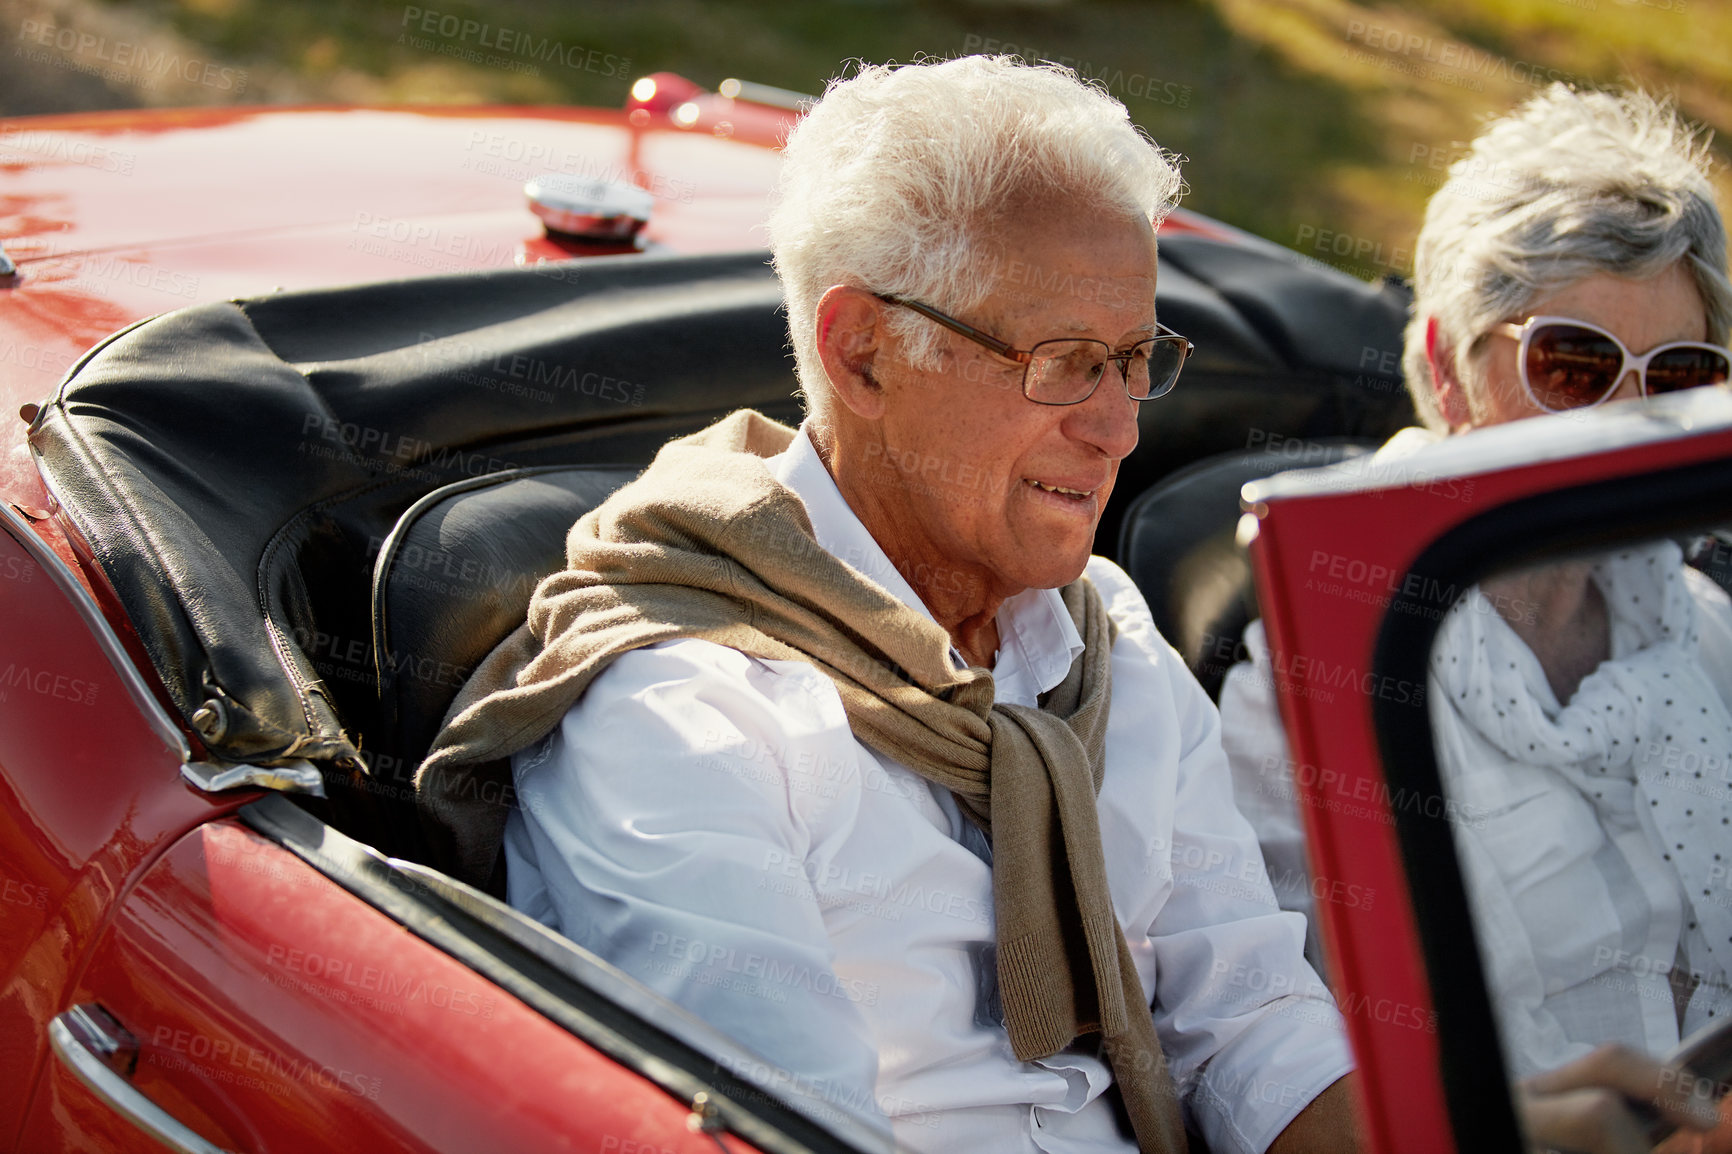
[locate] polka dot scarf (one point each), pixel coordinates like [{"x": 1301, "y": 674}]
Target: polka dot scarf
[{"x": 1645, "y": 729}]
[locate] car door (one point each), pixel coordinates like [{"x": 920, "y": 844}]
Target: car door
[
  {"x": 269, "y": 1007},
  {"x": 1357, "y": 573}
]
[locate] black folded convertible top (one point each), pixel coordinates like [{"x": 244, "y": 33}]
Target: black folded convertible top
[{"x": 235, "y": 467}]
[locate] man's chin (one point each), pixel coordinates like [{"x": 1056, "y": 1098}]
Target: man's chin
[{"x": 1057, "y": 569}]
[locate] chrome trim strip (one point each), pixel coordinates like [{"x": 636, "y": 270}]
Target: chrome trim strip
[
  {"x": 766, "y": 94},
  {"x": 106, "y": 638},
  {"x": 218, "y": 776},
  {"x": 126, "y": 1099}
]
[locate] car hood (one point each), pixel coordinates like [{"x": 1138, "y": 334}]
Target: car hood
[{"x": 113, "y": 217}]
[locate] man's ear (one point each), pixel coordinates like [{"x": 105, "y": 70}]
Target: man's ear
[
  {"x": 849, "y": 339},
  {"x": 1446, "y": 385}
]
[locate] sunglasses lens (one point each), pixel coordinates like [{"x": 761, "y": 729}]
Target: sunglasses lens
[
  {"x": 1569, "y": 367},
  {"x": 1686, "y": 368}
]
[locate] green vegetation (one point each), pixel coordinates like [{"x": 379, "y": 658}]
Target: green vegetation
[{"x": 1300, "y": 119}]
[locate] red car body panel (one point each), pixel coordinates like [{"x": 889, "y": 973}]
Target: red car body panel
[
  {"x": 85, "y": 805},
  {"x": 275, "y": 1013},
  {"x": 112, "y": 217}
]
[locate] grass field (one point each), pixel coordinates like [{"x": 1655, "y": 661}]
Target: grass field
[{"x": 1302, "y": 120}]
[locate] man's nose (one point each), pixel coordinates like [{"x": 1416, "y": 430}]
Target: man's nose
[{"x": 1108, "y": 419}]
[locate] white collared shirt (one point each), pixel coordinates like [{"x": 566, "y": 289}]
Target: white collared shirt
[{"x": 707, "y": 822}]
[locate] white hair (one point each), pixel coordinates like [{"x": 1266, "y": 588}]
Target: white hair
[
  {"x": 1568, "y": 185},
  {"x": 891, "y": 183}
]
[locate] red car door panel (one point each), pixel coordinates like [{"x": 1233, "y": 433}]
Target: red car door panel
[
  {"x": 275, "y": 1011},
  {"x": 89, "y": 791}
]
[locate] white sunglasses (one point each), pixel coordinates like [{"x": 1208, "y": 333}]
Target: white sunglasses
[{"x": 1569, "y": 364}]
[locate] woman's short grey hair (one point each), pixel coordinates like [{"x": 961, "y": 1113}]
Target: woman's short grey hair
[
  {"x": 1568, "y": 185},
  {"x": 892, "y": 182}
]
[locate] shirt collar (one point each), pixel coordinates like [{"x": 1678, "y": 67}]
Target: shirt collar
[{"x": 1037, "y": 640}]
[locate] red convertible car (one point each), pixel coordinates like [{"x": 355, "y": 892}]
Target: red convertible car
[{"x": 257, "y": 530}]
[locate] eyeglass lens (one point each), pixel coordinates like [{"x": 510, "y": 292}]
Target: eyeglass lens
[
  {"x": 1063, "y": 372},
  {"x": 1568, "y": 367}
]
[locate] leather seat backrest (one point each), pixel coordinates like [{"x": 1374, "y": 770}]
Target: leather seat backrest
[
  {"x": 452, "y": 580},
  {"x": 1178, "y": 545}
]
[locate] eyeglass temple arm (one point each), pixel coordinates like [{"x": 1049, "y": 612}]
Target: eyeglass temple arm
[
  {"x": 1162, "y": 330},
  {"x": 1008, "y": 351},
  {"x": 1002, "y": 348}
]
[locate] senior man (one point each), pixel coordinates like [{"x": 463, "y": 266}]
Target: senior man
[{"x": 840, "y": 738}]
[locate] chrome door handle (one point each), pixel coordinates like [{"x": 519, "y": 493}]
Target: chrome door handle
[{"x": 101, "y": 1053}]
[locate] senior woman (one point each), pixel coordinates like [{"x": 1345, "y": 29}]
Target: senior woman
[
  {"x": 839, "y": 737},
  {"x": 1574, "y": 258}
]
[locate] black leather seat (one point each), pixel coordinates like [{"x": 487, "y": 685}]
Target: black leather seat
[
  {"x": 451, "y": 581},
  {"x": 1178, "y": 545}
]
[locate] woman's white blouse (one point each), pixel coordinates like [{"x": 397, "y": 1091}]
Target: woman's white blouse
[
  {"x": 707, "y": 822},
  {"x": 1559, "y": 809}
]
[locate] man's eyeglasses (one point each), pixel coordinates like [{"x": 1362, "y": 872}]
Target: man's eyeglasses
[
  {"x": 1569, "y": 364},
  {"x": 1066, "y": 371}
]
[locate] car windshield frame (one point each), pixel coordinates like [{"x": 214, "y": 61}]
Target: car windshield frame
[
  {"x": 1422, "y": 525},
  {"x": 1591, "y": 517}
]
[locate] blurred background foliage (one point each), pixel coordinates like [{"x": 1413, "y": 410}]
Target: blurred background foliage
[{"x": 1301, "y": 120}]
